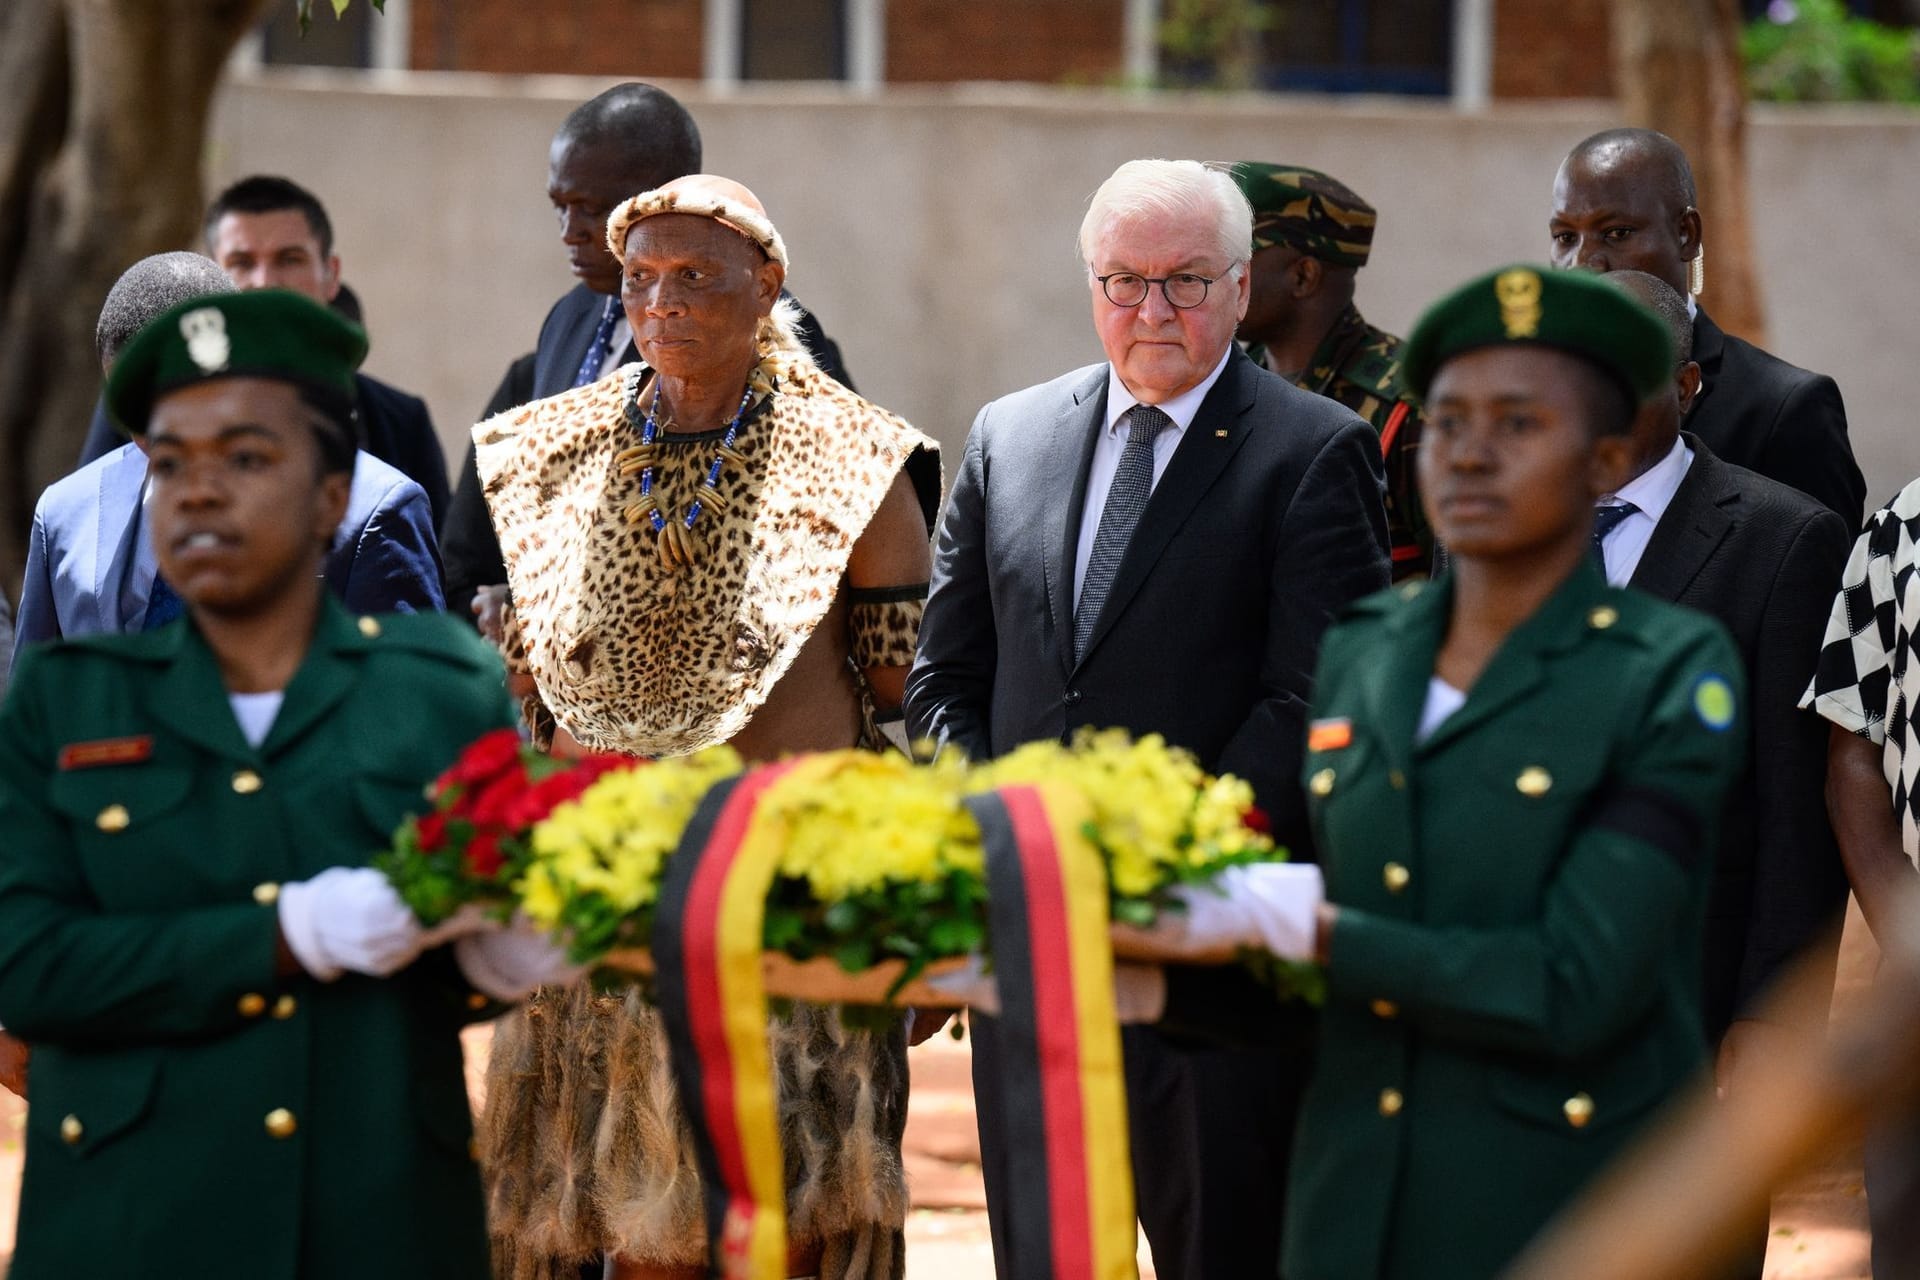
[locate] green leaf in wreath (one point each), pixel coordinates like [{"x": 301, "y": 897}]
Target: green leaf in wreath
[{"x": 854, "y": 956}]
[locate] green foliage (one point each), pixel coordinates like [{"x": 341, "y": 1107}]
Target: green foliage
[
  {"x": 305, "y": 9},
  {"x": 1815, "y": 51}
]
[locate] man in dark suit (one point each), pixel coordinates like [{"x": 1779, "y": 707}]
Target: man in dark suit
[
  {"x": 632, "y": 138},
  {"x": 1761, "y": 559},
  {"x": 1625, "y": 198},
  {"x": 269, "y": 233},
  {"x": 1157, "y": 543}
]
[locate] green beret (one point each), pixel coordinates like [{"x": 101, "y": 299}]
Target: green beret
[
  {"x": 1571, "y": 311},
  {"x": 268, "y": 333},
  {"x": 1307, "y": 210}
]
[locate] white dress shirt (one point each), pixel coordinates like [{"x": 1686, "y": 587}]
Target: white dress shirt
[
  {"x": 1652, "y": 491},
  {"x": 1113, "y": 442}
]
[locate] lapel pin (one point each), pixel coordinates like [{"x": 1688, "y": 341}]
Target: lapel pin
[{"x": 1221, "y": 434}]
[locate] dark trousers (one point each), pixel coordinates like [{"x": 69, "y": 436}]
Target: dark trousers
[{"x": 1211, "y": 1133}]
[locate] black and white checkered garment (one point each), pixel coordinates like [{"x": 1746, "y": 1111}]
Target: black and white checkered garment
[{"x": 1868, "y": 680}]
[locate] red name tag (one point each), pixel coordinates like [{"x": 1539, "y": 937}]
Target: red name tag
[
  {"x": 1329, "y": 735},
  {"x": 106, "y": 751}
]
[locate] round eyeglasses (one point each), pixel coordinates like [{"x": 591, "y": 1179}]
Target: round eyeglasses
[{"x": 1183, "y": 290}]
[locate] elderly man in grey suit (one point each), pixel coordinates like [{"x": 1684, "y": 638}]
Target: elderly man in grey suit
[{"x": 1157, "y": 542}]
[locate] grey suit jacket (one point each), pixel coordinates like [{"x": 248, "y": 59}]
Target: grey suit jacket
[
  {"x": 1266, "y": 523},
  {"x": 85, "y": 575},
  {"x": 1762, "y": 559}
]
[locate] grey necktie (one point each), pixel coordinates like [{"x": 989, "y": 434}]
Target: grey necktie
[{"x": 1126, "y": 499}]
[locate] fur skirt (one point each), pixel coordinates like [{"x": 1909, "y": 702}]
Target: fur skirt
[{"x": 584, "y": 1149}]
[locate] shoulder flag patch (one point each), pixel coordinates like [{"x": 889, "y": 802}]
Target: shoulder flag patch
[{"x": 1329, "y": 735}]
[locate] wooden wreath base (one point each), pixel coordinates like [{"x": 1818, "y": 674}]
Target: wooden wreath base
[{"x": 821, "y": 981}]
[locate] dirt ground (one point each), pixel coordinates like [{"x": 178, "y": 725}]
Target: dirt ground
[{"x": 1819, "y": 1222}]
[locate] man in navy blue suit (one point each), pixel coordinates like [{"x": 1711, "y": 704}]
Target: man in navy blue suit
[
  {"x": 632, "y": 138},
  {"x": 90, "y": 565}
]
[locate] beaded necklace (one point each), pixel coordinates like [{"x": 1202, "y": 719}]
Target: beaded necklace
[{"x": 674, "y": 537}]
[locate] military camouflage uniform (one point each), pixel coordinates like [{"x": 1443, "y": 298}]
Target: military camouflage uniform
[
  {"x": 1359, "y": 366},
  {"x": 1356, "y": 364}
]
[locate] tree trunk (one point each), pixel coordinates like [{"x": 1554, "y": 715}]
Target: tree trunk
[
  {"x": 1677, "y": 65},
  {"x": 103, "y": 116}
]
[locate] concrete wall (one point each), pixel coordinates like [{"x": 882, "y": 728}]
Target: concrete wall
[{"x": 932, "y": 230}]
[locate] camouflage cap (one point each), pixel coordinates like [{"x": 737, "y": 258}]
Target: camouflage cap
[
  {"x": 268, "y": 333},
  {"x": 1570, "y": 311},
  {"x": 1307, "y": 210}
]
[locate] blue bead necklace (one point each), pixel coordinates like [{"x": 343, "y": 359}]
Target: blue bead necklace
[{"x": 674, "y": 536}]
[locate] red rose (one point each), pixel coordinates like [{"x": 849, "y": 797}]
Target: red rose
[
  {"x": 486, "y": 758},
  {"x": 494, "y": 802},
  {"x": 1256, "y": 819},
  {"x": 543, "y": 797},
  {"x": 483, "y": 855},
  {"x": 430, "y": 830}
]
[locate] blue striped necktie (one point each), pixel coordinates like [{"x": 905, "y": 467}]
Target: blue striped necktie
[{"x": 602, "y": 338}]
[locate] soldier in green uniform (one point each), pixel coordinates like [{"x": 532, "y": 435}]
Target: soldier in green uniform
[
  {"x": 246, "y": 1060},
  {"x": 1513, "y": 775},
  {"x": 1311, "y": 234}
]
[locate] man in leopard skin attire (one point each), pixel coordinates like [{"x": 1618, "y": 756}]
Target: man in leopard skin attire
[{"x": 717, "y": 544}]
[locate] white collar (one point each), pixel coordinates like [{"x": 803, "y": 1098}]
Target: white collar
[
  {"x": 1652, "y": 491},
  {"x": 1181, "y": 408}
]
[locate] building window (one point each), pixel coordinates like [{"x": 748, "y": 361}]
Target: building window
[
  {"x": 793, "y": 40},
  {"x": 1358, "y": 46}
]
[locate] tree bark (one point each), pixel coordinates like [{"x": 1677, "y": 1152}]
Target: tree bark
[
  {"x": 103, "y": 117},
  {"x": 1677, "y": 66}
]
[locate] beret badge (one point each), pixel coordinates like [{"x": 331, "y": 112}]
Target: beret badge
[
  {"x": 205, "y": 330},
  {"x": 1519, "y": 293}
]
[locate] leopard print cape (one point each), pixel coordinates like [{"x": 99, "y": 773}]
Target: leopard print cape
[{"x": 629, "y": 654}]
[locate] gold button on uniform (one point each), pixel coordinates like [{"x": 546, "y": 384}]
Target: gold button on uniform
[
  {"x": 1579, "y": 1109},
  {"x": 266, "y": 894},
  {"x": 1391, "y": 1102},
  {"x": 1602, "y": 616},
  {"x": 246, "y": 782},
  {"x": 1533, "y": 781},
  {"x": 251, "y": 1005},
  {"x": 280, "y": 1123},
  {"x": 369, "y": 628},
  {"x": 285, "y": 1007},
  {"x": 1397, "y": 780},
  {"x": 1395, "y": 877},
  {"x": 113, "y": 818},
  {"x": 1321, "y": 784},
  {"x": 71, "y": 1131},
  {"x": 1385, "y": 1009}
]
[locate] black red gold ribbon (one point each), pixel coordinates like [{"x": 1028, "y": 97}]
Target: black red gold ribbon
[
  {"x": 1072, "y": 1198},
  {"x": 712, "y": 996}
]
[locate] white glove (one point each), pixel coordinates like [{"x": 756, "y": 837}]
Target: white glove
[
  {"x": 511, "y": 964},
  {"x": 1269, "y": 905},
  {"x": 348, "y": 920}
]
